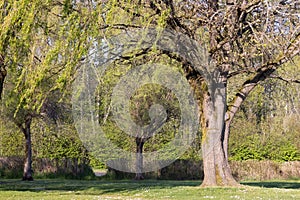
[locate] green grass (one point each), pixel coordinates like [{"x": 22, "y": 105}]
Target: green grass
[{"x": 150, "y": 189}]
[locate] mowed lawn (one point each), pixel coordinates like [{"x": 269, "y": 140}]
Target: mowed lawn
[{"x": 149, "y": 189}]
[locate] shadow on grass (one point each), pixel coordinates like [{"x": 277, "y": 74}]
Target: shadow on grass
[
  {"x": 92, "y": 186},
  {"x": 275, "y": 184},
  {"x": 105, "y": 186}
]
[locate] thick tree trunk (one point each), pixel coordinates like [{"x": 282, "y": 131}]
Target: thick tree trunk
[
  {"x": 139, "y": 158},
  {"x": 3, "y": 73},
  {"x": 27, "y": 173},
  {"x": 215, "y": 164}
]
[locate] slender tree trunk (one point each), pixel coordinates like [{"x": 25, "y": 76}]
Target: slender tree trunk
[
  {"x": 229, "y": 118},
  {"x": 215, "y": 164},
  {"x": 139, "y": 158},
  {"x": 27, "y": 173},
  {"x": 240, "y": 97},
  {"x": 231, "y": 112},
  {"x": 3, "y": 73}
]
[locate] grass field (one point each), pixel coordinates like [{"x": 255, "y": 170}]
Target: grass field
[{"x": 150, "y": 189}]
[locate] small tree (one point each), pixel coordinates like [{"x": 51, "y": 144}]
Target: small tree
[{"x": 152, "y": 106}]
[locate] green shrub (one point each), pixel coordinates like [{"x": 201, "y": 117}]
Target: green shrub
[{"x": 266, "y": 141}]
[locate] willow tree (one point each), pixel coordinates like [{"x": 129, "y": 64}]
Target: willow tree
[
  {"x": 41, "y": 44},
  {"x": 248, "y": 38}
]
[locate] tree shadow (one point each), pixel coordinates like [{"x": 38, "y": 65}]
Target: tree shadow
[
  {"x": 91, "y": 187},
  {"x": 275, "y": 184},
  {"x": 118, "y": 186}
]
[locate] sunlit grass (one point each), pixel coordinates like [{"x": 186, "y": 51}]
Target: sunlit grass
[{"x": 149, "y": 189}]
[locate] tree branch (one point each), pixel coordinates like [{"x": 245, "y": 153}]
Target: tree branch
[
  {"x": 250, "y": 6},
  {"x": 285, "y": 79},
  {"x": 119, "y": 26},
  {"x": 3, "y": 74}
]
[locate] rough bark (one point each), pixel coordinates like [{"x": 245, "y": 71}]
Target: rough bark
[
  {"x": 215, "y": 164},
  {"x": 139, "y": 158},
  {"x": 27, "y": 172}
]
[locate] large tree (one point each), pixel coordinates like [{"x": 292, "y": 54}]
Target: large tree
[{"x": 252, "y": 38}]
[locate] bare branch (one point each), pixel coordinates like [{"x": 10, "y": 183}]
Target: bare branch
[
  {"x": 250, "y": 6},
  {"x": 285, "y": 79}
]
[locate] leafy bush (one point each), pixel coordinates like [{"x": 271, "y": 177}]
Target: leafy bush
[{"x": 266, "y": 141}]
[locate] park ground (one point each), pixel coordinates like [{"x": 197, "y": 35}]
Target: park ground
[{"x": 149, "y": 189}]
